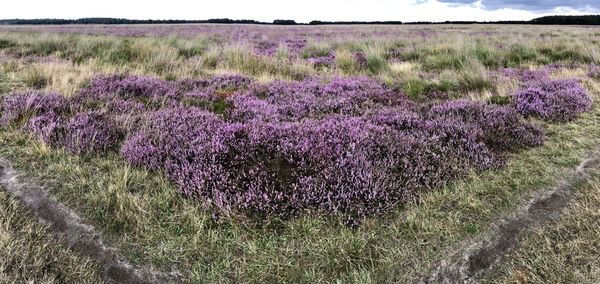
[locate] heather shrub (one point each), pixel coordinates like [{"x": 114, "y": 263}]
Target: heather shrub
[
  {"x": 169, "y": 131},
  {"x": 106, "y": 91},
  {"x": 228, "y": 82},
  {"x": 361, "y": 59},
  {"x": 557, "y": 100},
  {"x": 527, "y": 76},
  {"x": 314, "y": 98},
  {"x": 351, "y": 166},
  {"x": 91, "y": 132},
  {"x": 18, "y": 108},
  {"x": 323, "y": 61},
  {"x": 48, "y": 128},
  {"x": 594, "y": 72},
  {"x": 449, "y": 150},
  {"x": 337, "y": 165},
  {"x": 123, "y": 93},
  {"x": 501, "y": 127}
]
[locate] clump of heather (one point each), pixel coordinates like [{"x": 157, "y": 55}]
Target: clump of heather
[
  {"x": 116, "y": 92},
  {"x": 526, "y": 75},
  {"x": 295, "y": 46},
  {"x": 501, "y": 127},
  {"x": 18, "y": 108},
  {"x": 327, "y": 60},
  {"x": 48, "y": 128},
  {"x": 314, "y": 98},
  {"x": 336, "y": 165},
  {"x": 228, "y": 82},
  {"x": 167, "y": 134},
  {"x": 353, "y": 166},
  {"x": 594, "y": 71},
  {"x": 265, "y": 48},
  {"x": 124, "y": 86},
  {"x": 123, "y": 93},
  {"x": 555, "y": 100},
  {"x": 91, "y": 132},
  {"x": 224, "y": 82},
  {"x": 361, "y": 59}
]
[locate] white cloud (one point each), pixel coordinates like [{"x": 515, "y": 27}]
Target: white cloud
[{"x": 263, "y": 10}]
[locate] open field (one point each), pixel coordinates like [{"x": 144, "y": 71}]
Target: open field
[{"x": 351, "y": 154}]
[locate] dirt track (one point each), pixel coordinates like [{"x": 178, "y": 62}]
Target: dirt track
[
  {"x": 471, "y": 261},
  {"x": 80, "y": 237}
]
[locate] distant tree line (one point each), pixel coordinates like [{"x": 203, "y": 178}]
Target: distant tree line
[
  {"x": 548, "y": 20},
  {"x": 568, "y": 20},
  {"x": 355, "y": 23},
  {"x": 116, "y": 21}
]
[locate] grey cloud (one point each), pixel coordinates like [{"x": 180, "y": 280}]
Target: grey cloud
[{"x": 532, "y": 5}]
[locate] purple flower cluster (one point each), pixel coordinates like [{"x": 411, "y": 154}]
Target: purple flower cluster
[
  {"x": 313, "y": 98},
  {"x": 556, "y": 100},
  {"x": 91, "y": 132},
  {"x": 48, "y": 128},
  {"x": 84, "y": 133},
  {"x": 501, "y": 128},
  {"x": 122, "y": 93},
  {"x": 265, "y": 48},
  {"x": 18, "y": 108},
  {"x": 526, "y": 75},
  {"x": 347, "y": 146},
  {"x": 361, "y": 59},
  {"x": 323, "y": 61},
  {"x": 594, "y": 71}
]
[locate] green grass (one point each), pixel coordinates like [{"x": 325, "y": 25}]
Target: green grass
[
  {"x": 29, "y": 254},
  {"x": 35, "y": 80}
]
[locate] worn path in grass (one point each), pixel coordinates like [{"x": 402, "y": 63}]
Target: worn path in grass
[
  {"x": 474, "y": 259},
  {"x": 80, "y": 237}
]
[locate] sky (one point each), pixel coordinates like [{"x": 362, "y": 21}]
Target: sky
[{"x": 299, "y": 10}]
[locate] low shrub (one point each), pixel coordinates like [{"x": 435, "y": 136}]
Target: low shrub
[
  {"x": 48, "y": 128},
  {"x": 594, "y": 72},
  {"x": 555, "y": 100},
  {"x": 90, "y": 132},
  {"x": 19, "y": 108},
  {"x": 501, "y": 127},
  {"x": 314, "y": 98}
]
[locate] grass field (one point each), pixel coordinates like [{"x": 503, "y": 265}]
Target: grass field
[{"x": 283, "y": 154}]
